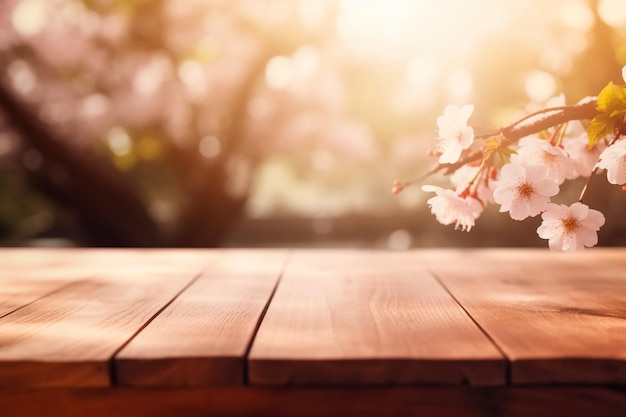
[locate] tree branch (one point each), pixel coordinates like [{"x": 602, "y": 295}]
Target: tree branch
[{"x": 515, "y": 131}]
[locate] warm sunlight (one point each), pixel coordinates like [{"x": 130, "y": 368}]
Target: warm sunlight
[
  {"x": 379, "y": 23},
  {"x": 396, "y": 27},
  {"x": 201, "y": 120}
]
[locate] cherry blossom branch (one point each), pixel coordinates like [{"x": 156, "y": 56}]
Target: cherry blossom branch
[
  {"x": 515, "y": 131},
  {"x": 448, "y": 169},
  {"x": 537, "y": 113}
]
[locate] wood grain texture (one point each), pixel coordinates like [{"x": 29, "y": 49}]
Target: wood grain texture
[
  {"x": 27, "y": 274},
  {"x": 558, "y": 318},
  {"x": 87, "y": 261},
  {"x": 20, "y": 289},
  {"x": 316, "y": 401},
  {"x": 203, "y": 336},
  {"x": 351, "y": 317},
  {"x": 68, "y": 337}
]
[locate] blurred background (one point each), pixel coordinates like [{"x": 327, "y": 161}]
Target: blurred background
[{"x": 204, "y": 123}]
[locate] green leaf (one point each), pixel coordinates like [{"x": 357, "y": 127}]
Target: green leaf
[
  {"x": 616, "y": 113},
  {"x": 601, "y": 126},
  {"x": 504, "y": 155},
  {"x": 497, "y": 147},
  {"x": 612, "y": 99}
]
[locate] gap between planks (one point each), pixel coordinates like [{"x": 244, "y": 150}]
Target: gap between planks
[
  {"x": 368, "y": 317},
  {"x": 203, "y": 337},
  {"x": 559, "y": 318}
]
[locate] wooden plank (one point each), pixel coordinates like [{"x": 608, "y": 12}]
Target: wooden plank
[
  {"x": 27, "y": 274},
  {"x": 18, "y": 289},
  {"x": 558, "y": 318},
  {"x": 358, "y": 317},
  {"x": 113, "y": 260},
  {"x": 317, "y": 401},
  {"x": 69, "y": 337},
  {"x": 202, "y": 337}
]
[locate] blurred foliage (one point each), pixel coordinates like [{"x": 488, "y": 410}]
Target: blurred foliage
[{"x": 163, "y": 123}]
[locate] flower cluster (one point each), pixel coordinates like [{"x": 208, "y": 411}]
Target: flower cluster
[{"x": 520, "y": 167}]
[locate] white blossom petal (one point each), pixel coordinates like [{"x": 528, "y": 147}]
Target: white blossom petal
[
  {"x": 534, "y": 151},
  {"x": 464, "y": 175},
  {"x": 454, "y": 134},
  {"x": 570, "y": 228},
  {"x": 523, "y": 191},
  {"x": 584, "y": 159},
  {"x": 449, "y": 208},
  {"x": 613, "y": 159}
]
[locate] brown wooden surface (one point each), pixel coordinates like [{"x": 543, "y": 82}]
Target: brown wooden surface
[
  {"x": 315, "y": 401},
  {"x": 359, "y": 317},
  {"x": 203, "y": 336},
  {"x": 558, "y": 319},
  {"x": 18, "y": 289},
  {"x": 31, "y": 258},
  {"x": 390, "y": 325},
  {"x": 68, "y": 337}
]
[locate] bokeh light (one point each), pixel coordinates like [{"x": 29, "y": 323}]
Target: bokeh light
[
  {"x": 29, "y": 17},
  {"x": 540, "y": 86},
  {"x": 613, "y": 13},
  {"x": 207, "y": 114}
]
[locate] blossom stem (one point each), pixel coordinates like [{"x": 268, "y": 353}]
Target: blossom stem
[
  {"x": 593, "y": 173},
  {"x": 471, "y": 182},
  {"x": 557, "y": 136},
  {"x": 586, "y": 187}
]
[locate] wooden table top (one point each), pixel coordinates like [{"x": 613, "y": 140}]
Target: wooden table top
[{"x": 312, "y": 332}]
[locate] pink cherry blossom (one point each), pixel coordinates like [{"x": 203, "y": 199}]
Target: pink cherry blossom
[
  {"x": 570, "y": 228},
  {"x": 524, "y": 191},
  {"x": 454, "y": 134},
  {"x": 613, "y": 159},
  {"x": 624, "y": 73},
  {"x": 462, "y": 177},
  {"x": 534, "y": 151},
  {"x": 449, "y": 208},
  {"x": 583, "y": 158}
]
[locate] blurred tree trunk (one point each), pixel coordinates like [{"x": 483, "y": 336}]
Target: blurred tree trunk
[{"x": 108, "y": 209}]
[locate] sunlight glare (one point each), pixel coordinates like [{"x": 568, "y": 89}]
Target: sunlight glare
[
  {"x": 312, "y": 13},
  {"x": 191, "y": 73},
  {"x": 540, "y": 86},
  {"x": 150, "y": 77},
  {"x": 421, "y": 72},
  {"x": 278, "y": 72},
  {"x": 577, "y": 15},
  {"x": 612, "y": 12},
  {"x": 306, "y": 62},
  {"x": 29, "y": 17},
  {"x": 119, "y": 141},
  {"x": 385, "y": 22},
  {"x": 446, "y": 28},
  {"x": 460, "y": 86}
]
